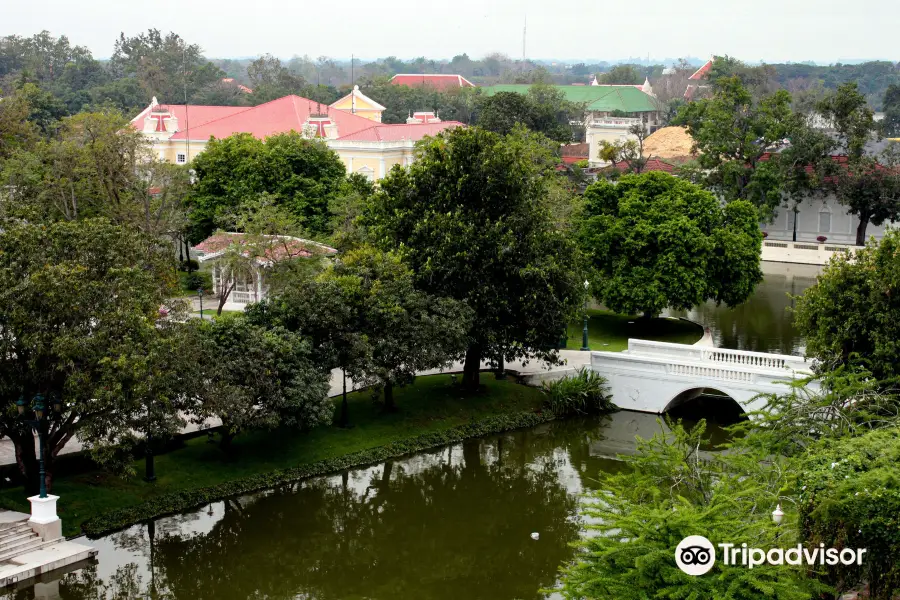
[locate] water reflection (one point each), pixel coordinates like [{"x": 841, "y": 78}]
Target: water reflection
[
  {"x": 452, "y": 523},
  {"x": 763, "y": 323}
]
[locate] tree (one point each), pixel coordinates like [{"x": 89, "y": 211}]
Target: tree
[
  {"x": 256, "y": 377},
  {"x": 621, "y": 75},
  {"x": 74, "y": 297},
  {"x": 669, "y": 492},
  {"x": 891, "y": 123},
  {"x": 405, "y": 329},
  {"x": 630, "y": 152},
  {"x": 733, "y": 132},
  {"x": 849, "y": 317},
  {"x": 471, "y": 219},
  {"x": 301, "y": 175},
  {"x": 15, "y": 130},
  {"x": 97, "y": 166},
  {"x": 165, "y": 65},
  {"x": 271, "y": 80},
  {"x": 543, "y": 109},
  {"x": 657, "y": 241},
  {"x": 867, "y": 184}
]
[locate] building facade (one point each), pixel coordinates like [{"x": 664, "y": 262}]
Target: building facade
[{"x": 178, "y": 133}]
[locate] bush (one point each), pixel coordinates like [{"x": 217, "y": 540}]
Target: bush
[
  {"x": 190, "y": 265},
  {"x": 584, "y": 393},
  {"x": 849, "y": 497},
  {"x": 190, "y": 282}
]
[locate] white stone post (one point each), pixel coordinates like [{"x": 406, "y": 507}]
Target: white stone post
[{"x": 44, "y": 521}]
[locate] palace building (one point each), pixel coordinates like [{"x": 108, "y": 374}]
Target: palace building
[{"x": 351, "y": 127}]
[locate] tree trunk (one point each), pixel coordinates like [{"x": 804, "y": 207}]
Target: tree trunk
[
  {"x": 472, "y": 368},
  {"x": 647, "y": 315},
  {"x": 861, "y": 230},
  {"x": 223, "y": 298},
  {"x": 389, "y": 396},
  {"x": 225, "y": 439}
]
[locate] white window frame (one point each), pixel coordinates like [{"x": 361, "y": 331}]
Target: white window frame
[{"x": 180, "y": 158}]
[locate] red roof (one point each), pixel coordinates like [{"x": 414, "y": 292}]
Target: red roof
[
  {"x": 653, "y": 164},
  {"x": 198, "y": 114},
  {"x": 435, "y": 80},
  {"x": 842, "y": 161},
  {"x": 702, "y": 71},
  {"x": 399, "y": 132},
  {"x": 289, "y": 113},
  {"x": 275, "y": 247}
]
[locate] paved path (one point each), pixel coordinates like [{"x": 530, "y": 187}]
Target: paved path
[{"x": 572, "y": 358}]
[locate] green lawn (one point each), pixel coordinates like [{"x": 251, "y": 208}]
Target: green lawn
[
  {"x": 212, "y": 312},
  {"x": 609, "y": 331},
  {"x": 432, "y": 404}
]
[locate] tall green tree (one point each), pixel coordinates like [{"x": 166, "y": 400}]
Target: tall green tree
[
  {"x": 543, "y": 109},
  {"x": 259, "y": 378},
  {"x": 302, "y": 176},
  {"x": 471, "y": 219},
  {"x": 74, "y": 297},
  {"x": 867, "y": 183},
  {"x": 657, "y": 241},
  {"x": 891, "y": 123},
  {"x": 165, "y": 65},
  {"x": 405, "y": 330},
  {"x": 850, "y": 316},
  {"x": 734, "y": 132},
  {"x": 621, "y": 75}
]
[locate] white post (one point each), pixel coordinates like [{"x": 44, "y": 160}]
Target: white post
[{"x": 44, "y": 521}]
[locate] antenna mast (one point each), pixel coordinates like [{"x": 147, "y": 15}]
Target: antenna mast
[
  {"x": 187, "y": 120},
  {"x": 352, "y": 87},
  {"x": 524, "y": 32}
]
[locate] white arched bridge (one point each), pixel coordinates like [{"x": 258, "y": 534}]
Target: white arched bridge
[{"x": 657, "y": 376}]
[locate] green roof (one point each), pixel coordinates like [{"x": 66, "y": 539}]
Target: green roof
[{"x": 598, "y": 98}]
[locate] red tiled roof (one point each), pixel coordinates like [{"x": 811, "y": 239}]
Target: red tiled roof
[
  {"x": 842, "y": 161},
  {"x": 435, "y": 80},
  {"x": 398, "y": 132},
  {"x": 289, "y": 113},
  {"x": 653, "y": 164},
  {"x": 702, "y": 71},
  {"x": 198, "y": 114},
  {"x": 279, "y": 246}
]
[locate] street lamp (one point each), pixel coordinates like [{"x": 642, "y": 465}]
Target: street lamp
[
  {"x": 584, "y": 331},
  {"x": 777, "y": 518},
  {"x": 37, "y": 424},
  {"x": 200, "y": 293}
]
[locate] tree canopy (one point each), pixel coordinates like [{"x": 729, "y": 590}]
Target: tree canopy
[
  {"x": 471, "y": 219},
  {"x": 849, "y": 317},
  {"x": 300, "y": 175},
  {"x": 656, "y": 241}
]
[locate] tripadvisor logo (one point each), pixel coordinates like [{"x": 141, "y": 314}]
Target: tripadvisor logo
[{"x": 696, "y": 555}]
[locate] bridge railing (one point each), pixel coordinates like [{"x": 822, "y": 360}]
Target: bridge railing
[{"x": 719, "y": 356}]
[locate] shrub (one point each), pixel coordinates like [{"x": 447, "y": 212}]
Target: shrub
[
  {"x": 189, "y": 265},
  {"x": 583, "y": 164},
  {"x": 584, "y": 393},
  {"x": 190, "y": 282},
  {"x": 849, "y": 497}
]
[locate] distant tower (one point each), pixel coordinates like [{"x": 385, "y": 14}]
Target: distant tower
[{"x": 524, "y": 32}]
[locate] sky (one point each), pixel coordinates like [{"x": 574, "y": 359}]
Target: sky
[{"x": 824, "y": 31}]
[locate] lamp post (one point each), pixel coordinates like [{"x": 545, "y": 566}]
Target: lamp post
[
  {"x": 200, "y": 293},
  {"x": 37, "y": 424},
  {"x": 777, "y": 518},
  {"x": 584, "y": 331}
]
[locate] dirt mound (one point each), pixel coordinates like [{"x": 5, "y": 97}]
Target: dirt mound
[{"x": 669, "y": 142}]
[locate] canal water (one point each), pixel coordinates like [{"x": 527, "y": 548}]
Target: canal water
[{"x": 450, "y": 524}]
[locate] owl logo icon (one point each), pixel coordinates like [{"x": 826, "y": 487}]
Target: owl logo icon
[{"x": 695, "y": 555}]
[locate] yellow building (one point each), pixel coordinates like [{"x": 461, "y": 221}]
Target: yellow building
[
  {"x": 178, "y": 132},
  {"x": 359, "y": 104}
]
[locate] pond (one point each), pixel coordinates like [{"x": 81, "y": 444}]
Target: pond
[{"x": 452, "y": 523}]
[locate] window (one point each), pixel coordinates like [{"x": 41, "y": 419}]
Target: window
[
  {"x": 824, "y": 222},
  {"x": 791, "y": 217},
  {"x": 367, "y": 172},
  {"x": 181, "y": 158}
]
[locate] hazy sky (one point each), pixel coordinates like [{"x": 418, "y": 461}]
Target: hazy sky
[{"x": 770, "y": 30}]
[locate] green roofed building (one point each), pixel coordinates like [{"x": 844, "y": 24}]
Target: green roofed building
[{"x": 609, "y": 110}]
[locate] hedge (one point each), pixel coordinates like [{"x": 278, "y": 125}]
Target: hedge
[{"x": 176, "y": 502}]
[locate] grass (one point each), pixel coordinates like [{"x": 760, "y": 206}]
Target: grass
[
  {"x": 609, "y": 331},
  {"x": 432, "y": 404},
  {"x": 212, "y": 312}
]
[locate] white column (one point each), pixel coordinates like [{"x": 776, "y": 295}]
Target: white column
[
  {"x": 382, "y": 169},
  {"x": 43, "y": 519}
]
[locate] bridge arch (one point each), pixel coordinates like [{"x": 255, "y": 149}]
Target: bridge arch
[{"x": 723, "y": 402}]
